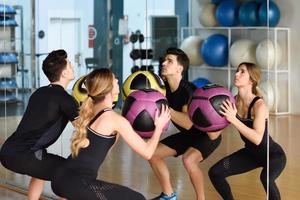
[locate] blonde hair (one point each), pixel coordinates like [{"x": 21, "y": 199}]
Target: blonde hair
[{"x": 98, "y": 84}]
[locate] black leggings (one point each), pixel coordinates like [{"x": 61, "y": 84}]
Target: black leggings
[
  {"x": 74, "y": 186},
  {"x": 242, "y": 161}
]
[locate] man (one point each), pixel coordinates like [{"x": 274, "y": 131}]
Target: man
[
  {"x": 47, "y": 114},
  {"x": 193, "y": 144}
]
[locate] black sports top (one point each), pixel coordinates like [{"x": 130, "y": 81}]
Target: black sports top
[
  {"x": 90, "y": 158},
  {"x": 259, "y": 151},
  {"x": 179, "y": 98},
  {"x": 47, "y": 114}
]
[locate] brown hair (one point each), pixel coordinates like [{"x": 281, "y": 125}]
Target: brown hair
[
  {"x": 54, "y": 64},
  {"x": 255, "y": 76}
]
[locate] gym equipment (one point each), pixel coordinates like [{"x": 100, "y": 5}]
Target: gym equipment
[
  {"x": 142, "y": 80},
  {"x": 8, "y": 83},
  {"x": 191, "y": 46},
  {"x": 7, "y": 10},
  {"x": 268, "y": 94},
  {"x": 147, "y": 68},
  {"x": 133, "y": 38},
  {"x": 140, "y": 107},
  {"x": 248, "y": 13},
  {"x": 205, "y": 106},
  {"x": 267, "y": 54},
  {"x": 8, "y": 58},
  {"x": 242, "y": 50},
  {"x": 207, "y": 16},
  {"x": 214, "y": 50},
  {"x": 135, "y": 68},
  {"x": 79, "y": 91},
  {"x": 141, "y": 54},
  {"x": 200, "y": 82},
  {"x": 269, "y": 17},
  {"x": 227, "y": 13}
]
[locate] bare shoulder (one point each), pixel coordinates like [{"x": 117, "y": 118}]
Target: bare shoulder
[
  {"x": 260, "y": 107},
  {"x": 114, "y": 117}
]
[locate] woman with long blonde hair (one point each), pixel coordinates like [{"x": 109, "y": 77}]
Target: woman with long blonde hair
[
  {"x": 250, "y": 116},
  {"x": 96, "y": 131}
]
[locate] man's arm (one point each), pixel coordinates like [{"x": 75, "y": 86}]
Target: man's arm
[{"x": 181, "y": 118}]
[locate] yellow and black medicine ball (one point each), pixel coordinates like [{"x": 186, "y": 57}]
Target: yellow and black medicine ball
[
  {"x": 79, "y": 91},
  {"x": 142, "y": 80}
]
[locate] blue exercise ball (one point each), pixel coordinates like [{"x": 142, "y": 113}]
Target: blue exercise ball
[
  {"x": 273, "y": 15},
  {"x": 200, "y": 82},
  {"x": 214, "y": 50},
  {"x": 227, "y": 13},
  {"x": 248, "y": 14}
]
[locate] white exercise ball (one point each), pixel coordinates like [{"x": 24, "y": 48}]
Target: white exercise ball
[
  {"x": 267, "y": 53},
  {"x": 242, "y": 50},
  {"x": 191, "y": 46},
  {"x": 268, "y": 94},
  {"x": 207, "y": 15}
]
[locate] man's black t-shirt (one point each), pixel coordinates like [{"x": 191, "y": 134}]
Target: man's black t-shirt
[
  {"x": 180, "y": 97},
  {"x": 47, "y": 114}
]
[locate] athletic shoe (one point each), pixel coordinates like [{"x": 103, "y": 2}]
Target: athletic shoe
[{"x": 163, "y": 196}]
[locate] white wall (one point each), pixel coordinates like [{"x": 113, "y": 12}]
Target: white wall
[
  {"x": 139, "y": 15},
  {"x": 83, "y": 9}
]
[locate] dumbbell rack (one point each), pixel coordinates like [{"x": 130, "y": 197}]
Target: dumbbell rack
[
  {"x": 139, "y": 53},
  {"x": 8, "y": 56}
]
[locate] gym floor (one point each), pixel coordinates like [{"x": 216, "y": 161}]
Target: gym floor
[{"x": 125, "y": 167}]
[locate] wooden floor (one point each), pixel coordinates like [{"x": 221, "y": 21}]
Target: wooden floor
[{"x": 124, "y": 167}]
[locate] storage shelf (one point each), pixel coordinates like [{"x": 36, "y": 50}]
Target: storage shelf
[{"x": 278, "y": 75}]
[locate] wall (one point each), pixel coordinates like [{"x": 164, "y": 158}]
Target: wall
[
  {"x": 139, "y": 14},
  {"x": 45, "y": 9}
]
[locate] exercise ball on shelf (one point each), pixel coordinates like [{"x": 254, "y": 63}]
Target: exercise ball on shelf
[
  {"x": 227, "y": 13},
  {"x": 267, "y": 52},
  {"x": 200, "y": 82},
  {"x": 242, "y": 50},
  {"x": 191, "y": 46},
  {"x": 207, "y": 16},
  {"x": 214, "y": 50},
  {"x": 268, "y": 94},
  {"x": 269, "y": 17},
  {"x": 248, "y": 13}
]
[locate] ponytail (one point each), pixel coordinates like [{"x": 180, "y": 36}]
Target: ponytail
[{"x": 85, "y": 116}]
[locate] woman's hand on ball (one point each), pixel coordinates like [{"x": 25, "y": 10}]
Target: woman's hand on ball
[
  {"x": 229, "y": 110},
  {"x": 162, "y": 117}
]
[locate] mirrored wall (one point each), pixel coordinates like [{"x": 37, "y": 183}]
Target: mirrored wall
[{"x": 128, "y": 36}]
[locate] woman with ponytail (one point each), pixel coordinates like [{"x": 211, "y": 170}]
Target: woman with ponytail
[
  {"x": 97, "y": 129},
  {"x": 250, "y": 116}
]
